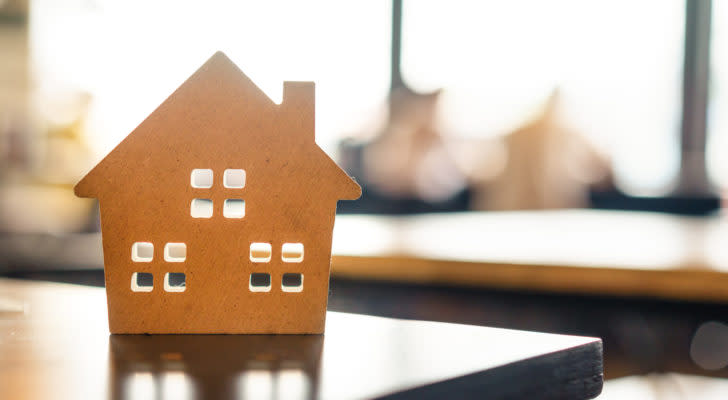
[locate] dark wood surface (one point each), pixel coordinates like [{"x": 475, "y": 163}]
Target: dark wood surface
[{"x": 56, "y": 345}]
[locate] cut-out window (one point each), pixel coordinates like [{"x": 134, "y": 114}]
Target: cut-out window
[
  {"x": 175, "y": 282},
  {"x": 201, "y": 208},
  {"x": 142, "y": 252},
  {"x": 292, "y": 282},
  {"x": 259, "y": 282},
  {"x": 260, "y": 252},
  {"x": 234, "y": 208},
  {"x": 234, "y": 178},
  {"x": 142, "y": 282},
  {"x": 292, "y": 252},
  {"x": 175, "y": 252},
  {"x": 201, "y": 178}
]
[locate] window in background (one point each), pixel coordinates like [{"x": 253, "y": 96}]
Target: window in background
[
  {"x": 717, "y": 146},
  {"x": 617, "y": 65},
  {"x": 129, "y": 56}
]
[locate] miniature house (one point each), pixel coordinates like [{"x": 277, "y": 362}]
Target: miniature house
[{"x": 217, "y": 211}]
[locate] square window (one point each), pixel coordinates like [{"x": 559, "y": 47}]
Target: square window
[
  {"x": 142, "y": 282},
  {"x": 260, "y": 252},
  {"x": 201, "y": 208},
  {"x": 201, "y": 178},
  {"x": 175, "y": 252},
  {"x": 142, "y": 252},
  {"x": 175, "y": 282},
  {"x": 233, "y": 208},
  {"x": 292, "y": 252},
  {"x": 260, "y": 282},
  {"x": 234, "y": 178},
  {"x": 292, "y": 282}
]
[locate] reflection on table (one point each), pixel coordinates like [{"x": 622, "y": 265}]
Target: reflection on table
[{"x": 215, "y": 366}]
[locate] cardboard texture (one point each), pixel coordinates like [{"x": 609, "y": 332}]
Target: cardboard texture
[{"x": 219, "y": 120}]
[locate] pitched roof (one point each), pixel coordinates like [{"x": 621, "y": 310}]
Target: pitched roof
[{"x": 218, "y": 84}]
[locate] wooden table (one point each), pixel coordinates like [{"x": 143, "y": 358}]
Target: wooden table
[
  {"x": 54, "y": 343},
  {"x": 569, "y": 251}
]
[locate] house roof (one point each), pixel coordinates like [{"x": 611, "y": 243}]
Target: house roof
[{"x": 219, "y": 90}]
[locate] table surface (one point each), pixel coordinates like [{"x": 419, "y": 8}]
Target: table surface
[
  {"x": 568, "y": 251},
  {"x": 54, "y": 343}
]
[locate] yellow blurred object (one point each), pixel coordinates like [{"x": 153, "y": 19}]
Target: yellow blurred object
[
  {"x": 563, "y": 251},
  {"x": 548, "y": 166},
  {"x": 410, "y": 158}
]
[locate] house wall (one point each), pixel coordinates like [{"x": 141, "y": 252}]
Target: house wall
[
  {"x": 217, "y": 296},
  {"x": 287, "y": 199}
]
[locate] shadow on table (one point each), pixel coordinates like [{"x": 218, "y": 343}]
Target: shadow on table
[{"x": 215, "y": 366}]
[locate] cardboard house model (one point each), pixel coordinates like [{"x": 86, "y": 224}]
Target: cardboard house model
[{"x": 217, "y": 211}]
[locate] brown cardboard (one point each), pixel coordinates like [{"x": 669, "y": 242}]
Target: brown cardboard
[{"x": 218, "y": 119}]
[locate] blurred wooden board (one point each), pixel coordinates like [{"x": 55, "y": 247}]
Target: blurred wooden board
[
  {"x": 571, "y": 251},
  {"x": 55, "y": 344}
]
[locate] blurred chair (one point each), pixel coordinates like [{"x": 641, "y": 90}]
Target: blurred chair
[
  {"x": 548, "y": 166},
  {"x": 408, "y": 167}
]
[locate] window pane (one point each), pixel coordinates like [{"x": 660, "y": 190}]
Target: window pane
[
  {"x": 234, "y": 178},
  {"x": 201, "y": 178},
  {"x": 259, "y": 282},
  {"x": 175, "y": 252},
  {"x": 260, "y": 252},
  {"x": 617, "y": 65},
  {"x": 142, "y": 252},
  {"x": 292, "y": 252},
  {"x": 201, "y": 208},
  {"x": 234, "y": 208},
  {"x": 175, "y": 282},
  {"x": 142, "y": 282},
  {"x": 717, "y": 151}
]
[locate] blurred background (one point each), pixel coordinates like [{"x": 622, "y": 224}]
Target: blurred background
[
  {"x": 433, "y": 106},
  {"x": 487, "y": 107}
]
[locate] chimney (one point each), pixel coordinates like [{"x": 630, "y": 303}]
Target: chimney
[{"x": 299, "y": 98}]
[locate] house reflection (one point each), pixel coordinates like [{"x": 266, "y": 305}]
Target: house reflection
[{"x": 215, "y": 366}]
